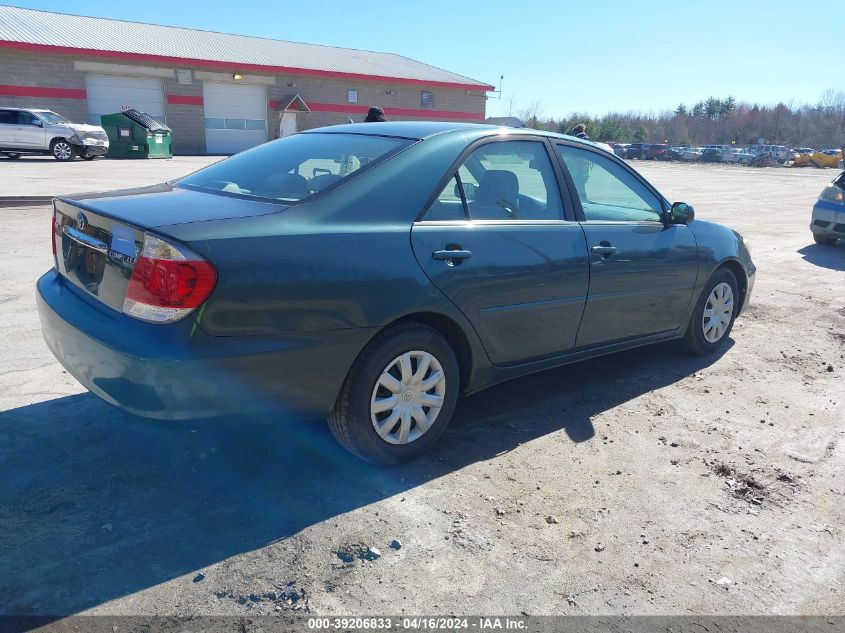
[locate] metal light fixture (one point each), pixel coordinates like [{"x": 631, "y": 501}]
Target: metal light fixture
[{"x": 237, "y": 76}]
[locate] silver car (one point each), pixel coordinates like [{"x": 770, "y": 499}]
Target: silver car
[{"x": 37, "y": 131}]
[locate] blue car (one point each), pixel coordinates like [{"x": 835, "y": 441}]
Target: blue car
[
  {"x": 828, "y": 218},
  {"x": 372, "y": 273}
]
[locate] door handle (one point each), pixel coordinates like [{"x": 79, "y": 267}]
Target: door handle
[
  {"x": 449, "y": 255},
  {"x": 604, "y": 249}
]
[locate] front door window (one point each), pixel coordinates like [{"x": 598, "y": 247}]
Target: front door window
[{"x": 607, "y": 190}]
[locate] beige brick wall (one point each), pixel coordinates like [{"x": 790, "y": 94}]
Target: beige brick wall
[{"x": 18, "y": 68}]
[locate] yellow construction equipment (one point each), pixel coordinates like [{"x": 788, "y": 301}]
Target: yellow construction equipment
[{"x": 827, "y": 158}]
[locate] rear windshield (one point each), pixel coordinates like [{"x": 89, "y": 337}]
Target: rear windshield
[{"x": 296, "y": 167}]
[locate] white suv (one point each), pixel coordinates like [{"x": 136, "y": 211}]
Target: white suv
[{"x": 31, "y": 131}]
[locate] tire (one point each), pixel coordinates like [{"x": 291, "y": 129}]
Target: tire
[
  {"x": 704, "y": 338},
  {"x": 62, "y": 150},
  {"x": 352, "y": 422},
  {"x": 13, "y": 156},
  {"x": 824, "y": 240}
]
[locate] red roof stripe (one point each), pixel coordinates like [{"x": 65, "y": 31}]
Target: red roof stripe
[
  {"x": 38, "y": 91},
  {"x": 185, "y": 100},
  {"x": 358, "y": 109},
  {"x": 69, "y": 50}
]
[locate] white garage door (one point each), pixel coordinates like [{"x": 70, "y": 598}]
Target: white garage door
[
  {"x": 235, "y": 116},
  {"x": 108, "y": 94}
]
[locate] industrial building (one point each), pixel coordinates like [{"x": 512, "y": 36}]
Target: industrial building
[{"x": 219, "y": 93}]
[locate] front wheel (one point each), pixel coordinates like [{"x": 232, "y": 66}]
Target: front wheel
[
  {"x": 714, "y": 314},
  {"x": 62, "y": 150},
  {"x": 824, "y": 240},
  {"x": 398, "y": 397}
]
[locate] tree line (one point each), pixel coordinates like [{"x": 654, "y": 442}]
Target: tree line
[{"x": 713, "y": 120}]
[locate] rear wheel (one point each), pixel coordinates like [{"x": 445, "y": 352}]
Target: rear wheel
[
  {"x": 824, "y": 240},
  {"x": 398, "y": 397},
  {"x": 62, "y": 150},
  {"x": 714, "y": 314}
]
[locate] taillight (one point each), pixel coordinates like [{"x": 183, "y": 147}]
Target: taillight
[
  {"x": 168, "y": 282},
  {"x": 54, "y": 228}
]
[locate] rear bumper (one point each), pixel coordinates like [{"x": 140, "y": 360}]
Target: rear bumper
[
  {"x": 178, "y": 371},
  {"x": 828, "y": 219}
]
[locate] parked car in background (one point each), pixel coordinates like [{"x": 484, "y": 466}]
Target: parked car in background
[
  {"x": 720, "y": 148},
  {"x": 692, "y": 153},
  {"x": 828, "y": 217},
  {"x": 777, "y": 152},
  {"x": 711, "y": 155},
  {"x": 637, "y": 150},
  {"x": 620, "y": 149},
  {"x": 371, "y": 274},
  {"x": 36, "y": 131},
  {"x": 674, "y": 153},
  {"x": 802, "y": 150},
  {"x": 737, "y": 156},
  {"x": 656, "y": 151}
]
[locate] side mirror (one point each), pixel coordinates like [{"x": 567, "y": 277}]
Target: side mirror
[
  {"x": 681, "y": 213},
  {"x": 37, "y": 123},
  {"x": 470, "y": 190}
]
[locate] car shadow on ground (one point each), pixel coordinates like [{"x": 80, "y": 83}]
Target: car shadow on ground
[
  {"x": 832, "y": 257},
  {"x": 95, "y": 504}
]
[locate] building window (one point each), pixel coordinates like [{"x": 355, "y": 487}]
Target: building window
[
  {"x": 427, "y": 99},
  {"x": 352, "y": 96}
]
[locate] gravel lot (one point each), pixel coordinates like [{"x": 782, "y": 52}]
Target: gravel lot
[{"x": 647, "y": 482}]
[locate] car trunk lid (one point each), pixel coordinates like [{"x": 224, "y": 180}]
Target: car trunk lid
[
  {"x": 94, "y": 252},
  {"x": 99, "y": 236},
  {"x": 166, "y": 205}
]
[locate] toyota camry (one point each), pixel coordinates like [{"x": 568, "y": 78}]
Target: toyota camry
[{"x": 369, "y": 274}]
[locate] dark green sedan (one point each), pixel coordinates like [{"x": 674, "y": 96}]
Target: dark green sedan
[{"x": 372, "y": 273}]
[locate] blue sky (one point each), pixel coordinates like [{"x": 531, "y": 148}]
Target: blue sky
[{"x": 591, "y": 57}]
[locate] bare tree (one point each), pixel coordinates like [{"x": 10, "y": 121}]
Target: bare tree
[{"x": 713, "y": 120}]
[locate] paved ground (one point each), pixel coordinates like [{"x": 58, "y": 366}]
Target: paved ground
[
  {"x": 641, "y": 483},
  {"x": 45, "y": 176}
]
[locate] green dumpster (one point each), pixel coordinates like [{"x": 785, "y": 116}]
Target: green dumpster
[{"x": 134, "y": 134}]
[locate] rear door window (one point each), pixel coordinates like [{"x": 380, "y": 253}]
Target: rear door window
[
  {"x": 511, "y": 180},
  {"x": 449, "y": 205},
  {"x": 25, "y": 118}
]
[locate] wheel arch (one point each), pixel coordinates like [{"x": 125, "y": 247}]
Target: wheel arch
[
  {"x": 450, "y": 330},
  {"x": 739, "y": 273}
]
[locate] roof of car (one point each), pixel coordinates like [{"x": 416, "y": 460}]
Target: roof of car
[{"x": 427, "y": 129}]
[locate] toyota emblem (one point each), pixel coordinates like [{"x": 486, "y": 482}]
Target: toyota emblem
[{"x": 81, "y": 221}]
